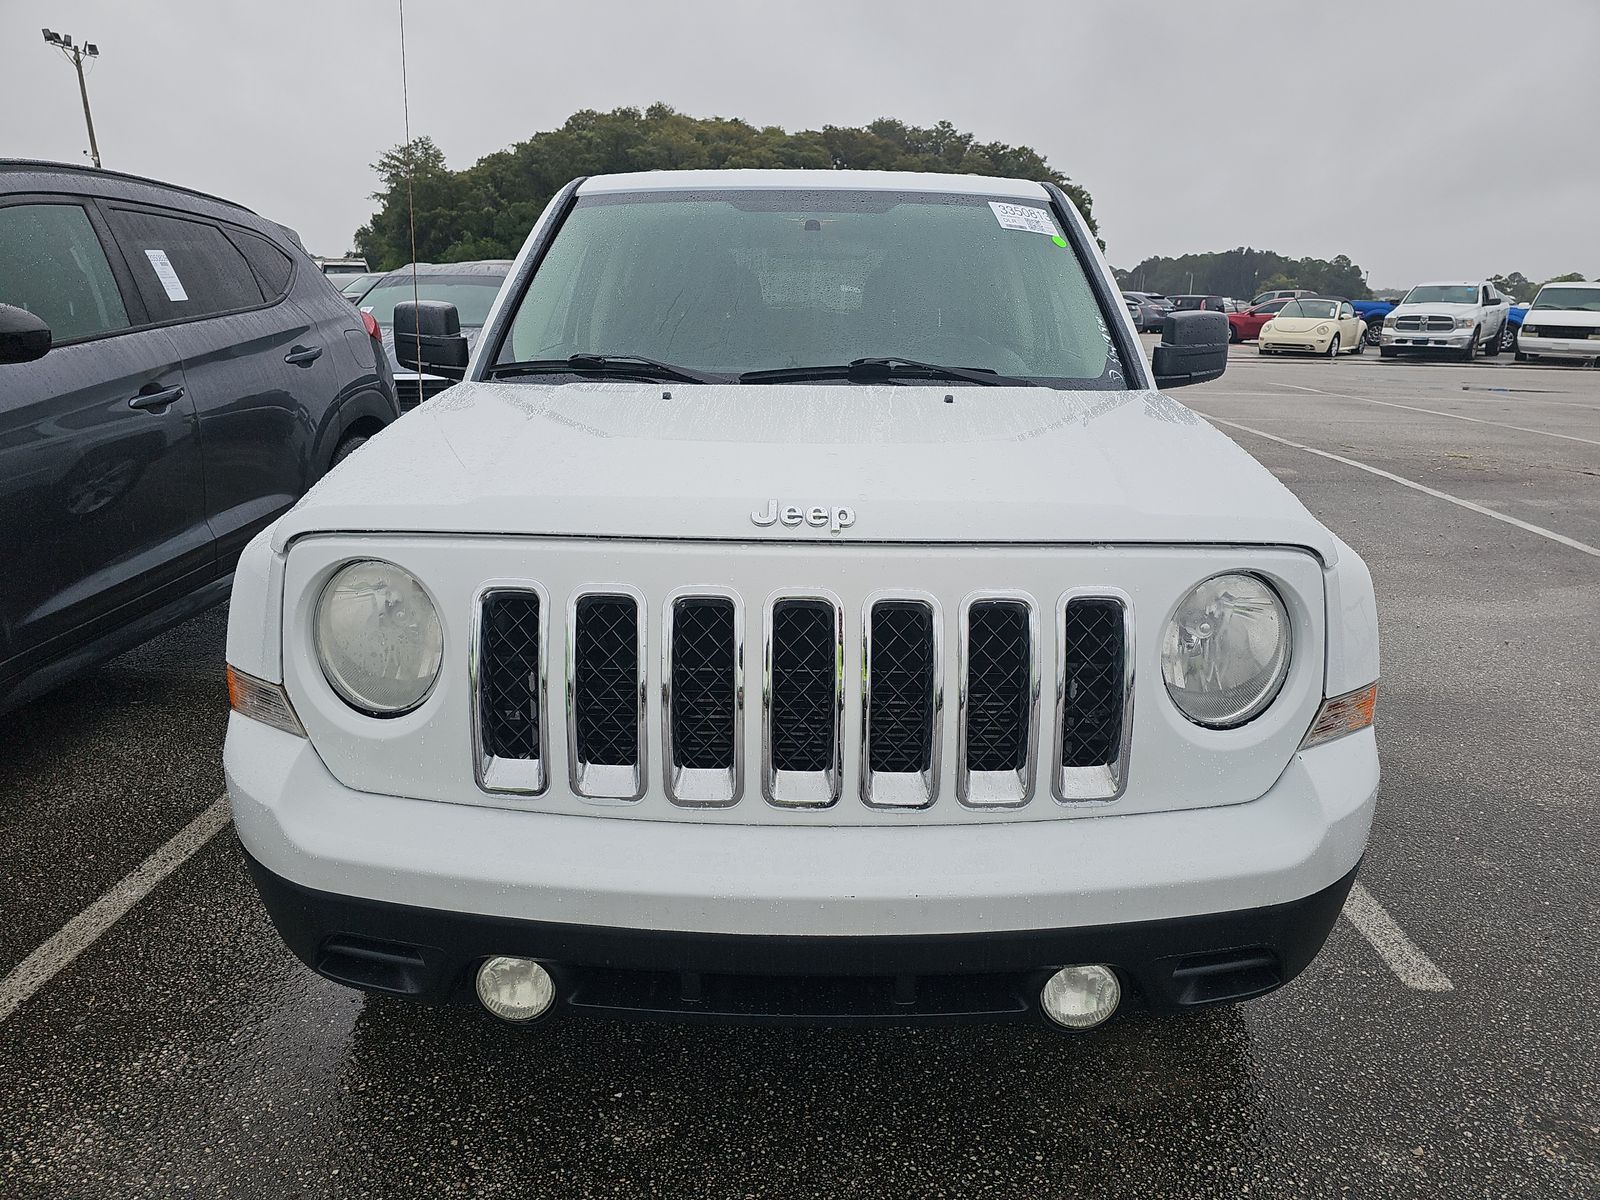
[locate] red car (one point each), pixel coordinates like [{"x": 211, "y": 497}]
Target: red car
[{"x": 1246, "y": 326}]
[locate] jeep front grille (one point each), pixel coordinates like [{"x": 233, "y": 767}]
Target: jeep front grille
[
  {"x": 605, "y": 696},
  {"x": 805, "y": 700},
  {"x": 1422, "y": 324},
  {"x": 900, "y": 676},
  {"x": 1094, "y": 697}
]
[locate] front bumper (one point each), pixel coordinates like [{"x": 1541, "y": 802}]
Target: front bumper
[
  {"x": 425, "y": 889},
  {"x": 1459, "y": 339},
  {"x": 1548, "y": 347},
  {"x": 1294, "y": 343}
]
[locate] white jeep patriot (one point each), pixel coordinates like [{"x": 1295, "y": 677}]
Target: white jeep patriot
[{"x": 805, "y": 608}]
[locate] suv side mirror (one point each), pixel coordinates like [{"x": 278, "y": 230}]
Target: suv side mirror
[
  {"x": 1193, "y": 349},
  {"x": 23, "y": 336},
  {"x": 428, "y": 338}
]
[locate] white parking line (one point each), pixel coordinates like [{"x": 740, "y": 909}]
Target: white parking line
[
  {"x": 1570, "y": 437},
  {"x": 1573, "y": 543},
  {"x": 78, "y": 934},
  {"x": 1410, "y": 965}
]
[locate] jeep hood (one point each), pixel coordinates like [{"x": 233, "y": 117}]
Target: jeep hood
[{"x": 915, "y": 463}]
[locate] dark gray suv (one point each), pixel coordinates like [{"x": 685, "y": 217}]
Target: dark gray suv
[{"x": 174, "y": 373}]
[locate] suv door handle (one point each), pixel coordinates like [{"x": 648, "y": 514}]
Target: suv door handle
[
  {"x": 156, "y": 401},
  {"x": 303, "y": 356}
]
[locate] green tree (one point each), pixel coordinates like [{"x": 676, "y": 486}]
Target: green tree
[
  {"x": 486, "y": 210},
  {"x": 1244, "y": 273}
]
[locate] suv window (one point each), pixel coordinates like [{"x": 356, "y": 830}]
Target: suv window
[
  {"x": 271, "y": 265},
  {"x": 52, "y": 264},
  {"x": 185, "y": 269},
  {"x": 748, "y": 280}
]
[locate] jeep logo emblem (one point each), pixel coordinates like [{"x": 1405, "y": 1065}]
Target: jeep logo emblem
[{"x": 818, "y": 516}]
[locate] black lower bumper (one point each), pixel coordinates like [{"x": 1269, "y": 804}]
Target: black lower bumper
[{"x": 430, "y": 955}]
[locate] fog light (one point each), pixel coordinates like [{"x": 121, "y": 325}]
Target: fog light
[
  {"x": 1081, "y": 997},
  {"x": 515, "y": 989}
]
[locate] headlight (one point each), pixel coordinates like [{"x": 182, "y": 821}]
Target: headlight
[
  {"x": 1226, "y": 651},
  {"x": 1266, "y": 327},
  {"x": 1466, "y": 322},
  {"x": 378, "y": 638},
  {"x": 1388, "y": 322},
  {"x": 1324, "y": 329},
  {"x": 1527, "y": 331}
]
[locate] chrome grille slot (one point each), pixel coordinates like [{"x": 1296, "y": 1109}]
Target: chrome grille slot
[
  {"x": 605, "y": 695},
  {"x": 1094, "y": 697},
  {"x": 803, "y": 701},
  {"x": 703, "y": 700},
  {"x": 508, "y": 666},
  {"x": 901, "y": 702},
  {"x": 999, "y": 702}
]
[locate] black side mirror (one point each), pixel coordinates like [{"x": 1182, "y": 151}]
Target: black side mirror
[
  {"x": 1193, "y": 349},
  {"x": 23, "y": 336},
  {"x": 428, "y": 338}
]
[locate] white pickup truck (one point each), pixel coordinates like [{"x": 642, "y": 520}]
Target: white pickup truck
[{"x": 1461, "y": 317}]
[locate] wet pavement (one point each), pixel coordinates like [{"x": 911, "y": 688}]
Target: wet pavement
[{"x": 187, "y": 1053}]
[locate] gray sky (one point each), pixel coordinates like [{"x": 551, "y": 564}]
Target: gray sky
[{"x": 1195, "y": 124}]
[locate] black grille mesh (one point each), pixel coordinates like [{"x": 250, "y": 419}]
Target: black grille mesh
[
  {"x": 508, "y": 675},
  {"x": 901, "y": 716},
  {"x": 605, "y": 687},
  {"x": 804, "y": 685},
  {"x": 703, "y": 682},
  {"x": 999, "y": 685},
  {"x": 1091, "y": 709}
]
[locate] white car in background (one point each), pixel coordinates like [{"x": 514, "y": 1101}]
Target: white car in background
[
  {"x": 1562, "y": 322},
  {"x": 807, "y": 608},
  {"x": 1461, "y": 317}
]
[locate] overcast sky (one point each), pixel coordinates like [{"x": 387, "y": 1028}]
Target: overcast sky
[{"x": 1195, "y": 124}]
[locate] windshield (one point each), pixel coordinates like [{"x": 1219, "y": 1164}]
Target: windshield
[
  {"x": 1442, "y": 293},
  {"x": 1320, "y": 310},
  {"x": 1571, "y": 299},
  {"x": 734, "y": 281},
  {"x": 471, "y": 294}
]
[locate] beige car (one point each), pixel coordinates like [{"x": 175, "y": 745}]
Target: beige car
[{"x": 1314, "y": 325}]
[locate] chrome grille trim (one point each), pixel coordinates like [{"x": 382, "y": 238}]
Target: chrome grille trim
[
  {"x": 803, "y": 789},
  {"x": 692, "y": 787},
  {"x": 606, "y": 781},
  {"x": 902, "y": 789},
  {"x": 996, "y": 789},
  {"x": 510, "y": 776},
  {"x": 1108, "y": 781}
]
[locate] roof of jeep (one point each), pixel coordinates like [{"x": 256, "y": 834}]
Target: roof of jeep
[{"x": 881, "y": 181}]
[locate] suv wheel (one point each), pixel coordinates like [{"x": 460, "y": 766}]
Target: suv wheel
[
  {"x": 1471, "y": 352},
  {"x": 1497, "y": 343},
  {"x": 1508, "y": 336}
]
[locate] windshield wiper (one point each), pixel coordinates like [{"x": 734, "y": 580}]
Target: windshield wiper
[
  {"x": 873, "y": 370},
  {"x": 603, "y": 364}
]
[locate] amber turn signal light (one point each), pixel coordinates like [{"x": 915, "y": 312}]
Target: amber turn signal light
[{"x": 1344, "y": 714}]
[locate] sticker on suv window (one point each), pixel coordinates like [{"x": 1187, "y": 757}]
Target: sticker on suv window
[
  {"x": 1024, "y": 217},
  {"x": 164, "y": 272}
]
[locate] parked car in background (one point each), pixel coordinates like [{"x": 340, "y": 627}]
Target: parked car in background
[
  {"x": 1148, "y": 310},
  {"x": 339, "y": 267},
  {"x": 1281, "y": 294},
  {"x": 353, "y": 287},
  {"x": 1314, "y": 325},
  {"x": 1562, "y": 322},
  {"x": 1246, "y": 326},
  {"x": 1461, "y": 317},
  {"x": 174, "y": 373},
  {"x": 1199, "y": 303},
  {"x": 470, "y": 286}
]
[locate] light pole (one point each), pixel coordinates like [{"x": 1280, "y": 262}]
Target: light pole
[{"x": 75, "y": 55}]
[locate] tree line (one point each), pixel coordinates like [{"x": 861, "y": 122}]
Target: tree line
[
  {"x": 486, "y": 210},
  {"x": 1522, "y": 288},
  {"x": 1244, "y": 273}
]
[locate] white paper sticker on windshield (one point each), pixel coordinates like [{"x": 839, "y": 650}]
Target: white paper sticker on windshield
[
  {"x": 165, "y": 273},
  {"x": 1024, "y": 217}
]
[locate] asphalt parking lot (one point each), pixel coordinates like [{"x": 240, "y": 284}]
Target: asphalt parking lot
[{"x": 1445, "y": 1044}]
